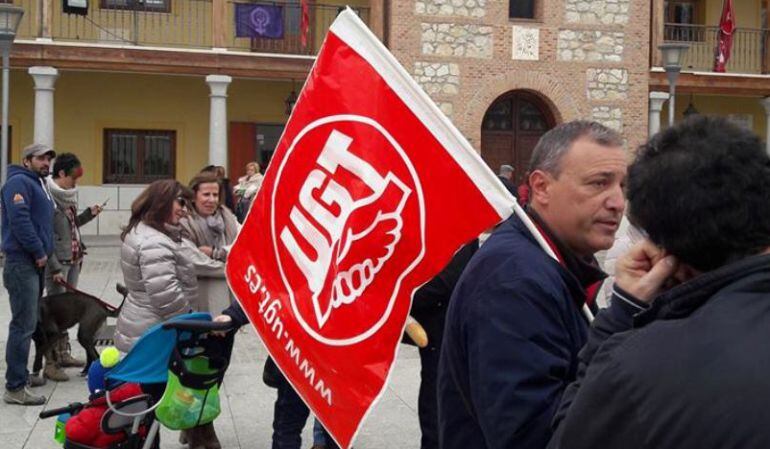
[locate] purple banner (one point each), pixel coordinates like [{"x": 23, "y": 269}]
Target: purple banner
[{"x": 254, "y": 20}]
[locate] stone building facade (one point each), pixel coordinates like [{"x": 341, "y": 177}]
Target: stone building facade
[{"x": 576, "y": 59}]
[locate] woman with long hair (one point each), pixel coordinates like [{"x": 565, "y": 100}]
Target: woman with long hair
[{"x": 161, "y": 282}]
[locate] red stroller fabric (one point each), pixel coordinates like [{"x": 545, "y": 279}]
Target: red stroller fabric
[{"x": 85, "y": 427}]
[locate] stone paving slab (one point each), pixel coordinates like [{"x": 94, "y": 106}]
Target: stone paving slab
[{"x": 247, "y": 404}]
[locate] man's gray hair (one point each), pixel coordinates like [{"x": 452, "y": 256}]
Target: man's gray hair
[
  {"x": 554, "y": 144},
  {"x": 505, "y": 170}
]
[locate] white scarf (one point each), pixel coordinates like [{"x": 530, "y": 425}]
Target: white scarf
[{"x": 63, "y": 197}]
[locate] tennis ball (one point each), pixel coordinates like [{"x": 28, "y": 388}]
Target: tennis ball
[{"x": 109, "y": 357}]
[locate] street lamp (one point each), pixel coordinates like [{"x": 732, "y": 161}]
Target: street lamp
[
  {"x": 690, "y": 110},
  {"x": 672, "y": 64},
  {"x": 10, "y": 16}
]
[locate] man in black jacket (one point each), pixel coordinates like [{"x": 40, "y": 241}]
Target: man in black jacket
[
  {"x": 684, "y": 366},
  {"x": 429, "y": 307}
]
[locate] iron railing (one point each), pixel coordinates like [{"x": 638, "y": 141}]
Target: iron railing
[
  {"x": 748, "y": 54},
  {"x": 175, "y": 23}
]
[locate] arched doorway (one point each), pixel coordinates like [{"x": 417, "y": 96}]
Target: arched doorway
[{"x": 511, "y": 128}]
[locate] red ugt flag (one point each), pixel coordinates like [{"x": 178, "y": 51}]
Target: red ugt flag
[
  {"x": 724, "y": 37},
  {"x": 369, "y": 194}
]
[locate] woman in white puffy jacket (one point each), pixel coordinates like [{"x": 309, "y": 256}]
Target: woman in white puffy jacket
[{"x": 161, "y": 281}]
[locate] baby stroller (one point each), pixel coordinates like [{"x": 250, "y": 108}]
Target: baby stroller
[{"x": 179, "y": 353}]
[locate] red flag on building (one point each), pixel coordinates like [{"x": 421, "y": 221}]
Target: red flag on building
[
  {"x": 369, "y": 194},
  {"x": 304, "y": 22},
  {"x": 724, "y": 36}
]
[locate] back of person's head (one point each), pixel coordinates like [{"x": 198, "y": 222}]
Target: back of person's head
[
  {"x": 701, "y": 190},
  {"x": 554, "y": 144},
  {"x": 67, "y": 162},
  {"x": 505, "y": 171},
  {"x": 154, "y": 205},
  {"x": 209, "y": 169}
]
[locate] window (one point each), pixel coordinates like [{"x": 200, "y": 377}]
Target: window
[
  {"x": 521, "y": 9},
  {"x": 267, "y": 140},
  {"x": 138, "y": 5},
  {"x": 683, "y": 19},
  {"x": 685, "y": 12},
  {"x": 139, "y": 156},
  {"x": 499, "y": 117}
]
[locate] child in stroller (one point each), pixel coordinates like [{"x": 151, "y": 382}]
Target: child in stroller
[{"x": 179, "y": 353}]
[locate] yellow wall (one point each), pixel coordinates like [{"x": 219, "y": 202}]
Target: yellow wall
[
  {"x": 747, "y": 13},
  {"x": 87, "y": 103},
  {"x": 20, "y": 109},
  {"x": 720, "y": 106}
]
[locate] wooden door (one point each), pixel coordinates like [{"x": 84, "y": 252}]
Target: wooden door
[
  {"x": 242, "y": 141},
  {"x": 511, "y": 128}
]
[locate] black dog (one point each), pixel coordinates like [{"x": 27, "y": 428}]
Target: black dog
[{"x": 62, "y": 311}]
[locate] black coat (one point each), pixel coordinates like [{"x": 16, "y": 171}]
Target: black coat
[
  {"x": 510, "y": 186},
  {"x": 691, "y": 372},
  {"x": 430, "y": 301}
]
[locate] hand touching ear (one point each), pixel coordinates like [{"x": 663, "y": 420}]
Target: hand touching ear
[{"x": 644, "y": 270}]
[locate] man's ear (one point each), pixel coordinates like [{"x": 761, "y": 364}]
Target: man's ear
[{"x": 539, "y": 187}]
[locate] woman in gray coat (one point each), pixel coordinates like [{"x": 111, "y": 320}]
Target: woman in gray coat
[
  {"x": 161, "y": 282},
  {"x": 210, "y": 228}
]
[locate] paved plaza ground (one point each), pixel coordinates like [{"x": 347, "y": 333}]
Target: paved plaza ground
[{"x": 247, "y": 404}]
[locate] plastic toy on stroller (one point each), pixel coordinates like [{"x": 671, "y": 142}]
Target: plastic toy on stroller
[{"x": 180, "y": 353}]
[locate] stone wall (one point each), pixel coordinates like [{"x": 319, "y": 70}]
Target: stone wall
[
  {"x": 611, "y": 117},
  {"x": 597, "y": 12},
  {"x": 449, "y": 39},
  {"x": 438, "y": 77},
  {"x": 586, "y": 59},
  {"x": 461, "y": 8},
  {"x": 582, "y": 45},
  {"x": 607, "y": 84}
]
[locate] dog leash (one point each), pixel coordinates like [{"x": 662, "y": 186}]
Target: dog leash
[{"x": 110, "y": 308}]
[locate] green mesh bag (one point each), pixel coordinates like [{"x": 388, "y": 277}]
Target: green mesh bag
[{"x": 192, "y": 393}]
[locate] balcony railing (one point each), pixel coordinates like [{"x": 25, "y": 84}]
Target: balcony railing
[
  {"x": 178, "y": 23},
  {"x": 748, "y": 54}
]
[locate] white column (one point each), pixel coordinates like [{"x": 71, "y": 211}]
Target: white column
[
  {"x": 45, "y": 78},
  {"x": 656, "y": 105},
  {"x": 218, "y": 119},
  {"x": 765, "y": 102}
]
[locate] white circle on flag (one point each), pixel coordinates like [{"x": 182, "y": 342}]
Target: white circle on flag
[{"x": 419, "y": 196}]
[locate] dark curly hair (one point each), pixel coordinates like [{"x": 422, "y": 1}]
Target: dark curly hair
[
  {"x": 701, "y": 190},
  {"x": 67, "y": 162}
]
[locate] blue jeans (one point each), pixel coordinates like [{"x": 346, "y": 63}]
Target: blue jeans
[
  {"x": 24, "y": 283},
  {"x": 290, "y": 415},
  {"x": 319, "y": 433}
]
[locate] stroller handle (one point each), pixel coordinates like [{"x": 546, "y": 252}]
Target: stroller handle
[
  {"x": 198, "y": 326},
  {"x": 74, "y": 407}
]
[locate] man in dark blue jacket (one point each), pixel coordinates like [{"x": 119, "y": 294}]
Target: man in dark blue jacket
[
  {"x": 27, "y": 233},
  {"x": 514, "y": 326}
]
